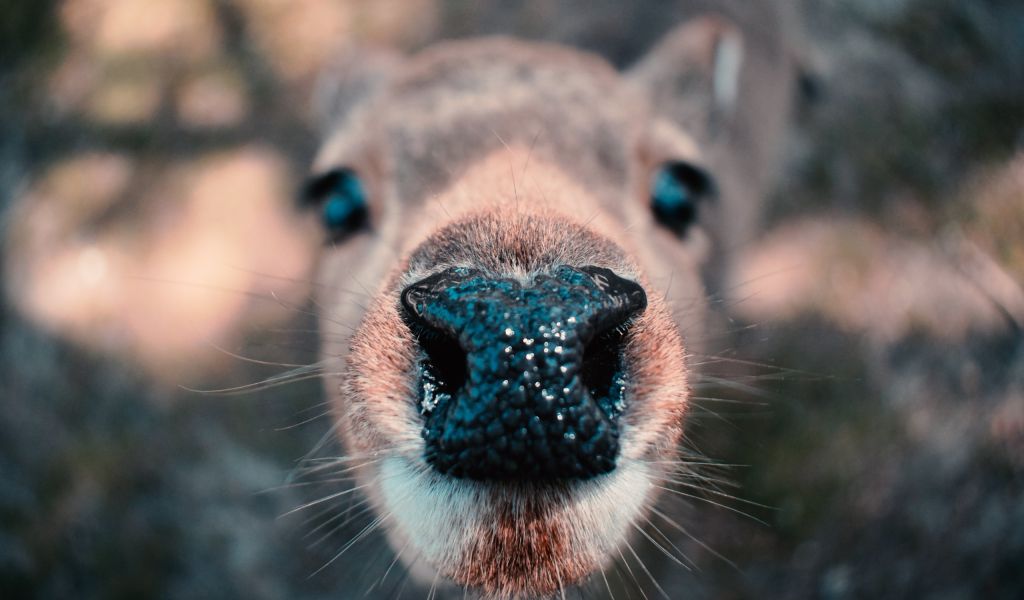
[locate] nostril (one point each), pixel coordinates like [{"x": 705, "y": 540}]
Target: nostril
[
  {"x": 602, "y": 368},
  {"x": 444, "y": 367}
]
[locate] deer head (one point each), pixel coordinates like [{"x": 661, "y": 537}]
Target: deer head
[{"x": 529, "y": 226}]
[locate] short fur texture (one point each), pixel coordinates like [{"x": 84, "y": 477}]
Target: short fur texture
[{"x": 515, "y": 158}]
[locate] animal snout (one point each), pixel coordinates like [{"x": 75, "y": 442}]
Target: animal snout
[{"x": 522, "y": 380}]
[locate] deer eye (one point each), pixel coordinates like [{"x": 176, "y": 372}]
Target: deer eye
[
  {"x": 341, "y": 199},
  {"x": 677, "y": 190}
]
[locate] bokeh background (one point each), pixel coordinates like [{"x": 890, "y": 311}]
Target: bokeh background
[{"x": 869, "y": 391}]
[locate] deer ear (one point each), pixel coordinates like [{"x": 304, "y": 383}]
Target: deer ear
[
  {"x": 727, "y": 85},
  {"x": 693, "y": 75}
]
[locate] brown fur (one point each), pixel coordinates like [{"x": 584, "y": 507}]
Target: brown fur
[
  {"x": 512, "y": 158},
  {"x": 517, "y": 551}
]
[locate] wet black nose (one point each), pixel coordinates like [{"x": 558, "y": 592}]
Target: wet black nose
[{"x": 522, "y": 381}]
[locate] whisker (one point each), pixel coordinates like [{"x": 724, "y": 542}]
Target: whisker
[
  {"x": 320, "y": 464},
  {"x": 376, "y": 523},
  {"x": 671, "y": 543},
  {"x": 362, "y": 286},
  {"x": 661, "y": 548},
  {"x": 712, "y": 502},
  {"x": 319, "y": 514},
  {"x": 668, "y": 288},
  {"x": 405, "y": 579},
  {"x": 304, "y": 484},
  {"x": 511, "y": 168},
  {"x": 306, "y": 421},
  {"x": 203, "y": 286},
  {"x": 270, "y": 296},
  {"x": 632, "y": 576},
  {"x": 558, "y": 578},
  {"x": 293, "y": 376},
  {"x": 607, "y": 586},
  {"x": 326, "y": 468},
  {"x": 622, "y": 580},
  {"x": 728, "y": 401},
  {"x": 673, "y": 523},
  {"x": 380, "y": 582},
  {"x": 325, "y": 310},
  {"x": 646, "y": 570},
  {"x": 686, "y": 463},
  {"x": 713, "y": 413},
  {"x": 764, "y": 365},
  {"x": 326, "y": 536},
  {"x": 433, "y": 587},
  {"x": 325, "y": 439},
  {"x": 324, "y": 499},
  {"x": 529, "y": 153},
  {"x": 735, "y": 385},
  {"x": 349, "y": 507},
  {"x": 698, "y": 476},
  {"x": 254, "y": 361}
]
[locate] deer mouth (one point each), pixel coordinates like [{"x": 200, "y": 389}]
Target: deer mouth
[{"x": 511, "y": 539}]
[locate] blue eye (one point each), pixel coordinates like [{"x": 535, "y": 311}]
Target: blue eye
[
  {"x": 342, "y": 201},
  {"x": 677, "y": 190}
]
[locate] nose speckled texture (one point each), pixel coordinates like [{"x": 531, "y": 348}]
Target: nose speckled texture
[{"x": 526, "y": 403}]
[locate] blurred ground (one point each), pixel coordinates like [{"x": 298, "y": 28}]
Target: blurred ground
[{"x": 147, "y": 153}]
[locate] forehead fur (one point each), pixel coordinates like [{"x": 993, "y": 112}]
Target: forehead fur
[
  {"x": 511, "y": 213},
  {"x": 463, "y": 100},
  {"x": 516, "y": 245}
]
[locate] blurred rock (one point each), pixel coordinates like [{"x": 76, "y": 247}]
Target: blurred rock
[
  {"x": 208, "y": 250},
  {"x": 864, "y": 281},
  {"x": 186, "y": 29},
  {"x": 215, "y": 98}
]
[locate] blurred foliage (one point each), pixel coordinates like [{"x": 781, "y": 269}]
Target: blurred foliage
[
  {"x": 883, "y": 468},
  {"x": 943, "y": 80},
  {"x": 26, "y": 30}
]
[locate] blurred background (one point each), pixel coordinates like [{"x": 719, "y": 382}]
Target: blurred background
[{"x": 869, "y": 392}]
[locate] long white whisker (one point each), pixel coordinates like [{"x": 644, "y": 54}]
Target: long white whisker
[
  {"x": 673, "y": 523},
  {"x": 325, "y": 499},
  {"x": 360, "y": 536},
  {"x": 632, "y": 576},
  {"x": 671, "y": 543},
  {"x": 646, "y": 570},
  {"x": 661, "y": 548},
  {"x": 366, "y": 507},
  {"x": 718, "y": 493},
  {"x": 387, "y": 571},
  {"x": 254, "y": 361},
  {"x": 709, "y": 501},
  {"x": 298, "y": 374},
  {"x": 607, "y": 586}
]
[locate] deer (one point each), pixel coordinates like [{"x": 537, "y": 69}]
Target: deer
[{"x": 538, "y": 234}]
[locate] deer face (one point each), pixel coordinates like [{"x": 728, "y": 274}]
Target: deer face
[{"x": 513, "y": 253}]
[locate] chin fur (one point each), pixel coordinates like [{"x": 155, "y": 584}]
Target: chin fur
[{"x": 510, "y": 540}]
